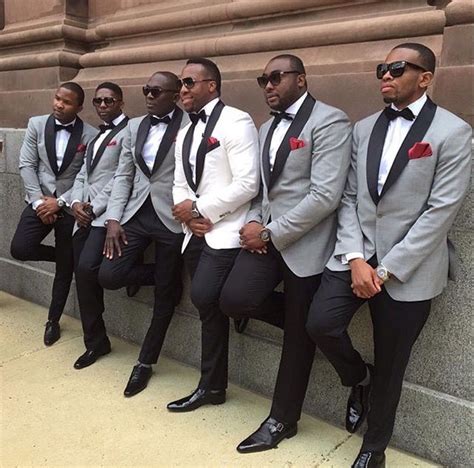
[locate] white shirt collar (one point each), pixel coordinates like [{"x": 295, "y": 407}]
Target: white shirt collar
[
  {"x": 295, "y": 107},
  {"x": 57, "y": 122},
  {"x": 209, "y": 107},
  {"x": 117, "y": 120},
  {"x": 416, "y": 106},
  {"x": 170, "y": 115}
]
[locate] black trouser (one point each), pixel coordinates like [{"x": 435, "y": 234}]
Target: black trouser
[
  {"x": 396, "y": 327},
  {"x": 144, "y": 228},
  {"x": 26, "y": 245},
  {"x": 209, "y": 269},
  {"x": 248, "y": 292}
]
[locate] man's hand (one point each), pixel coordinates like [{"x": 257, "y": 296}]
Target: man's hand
[
  {"x": 182, "y": 211},
  {"x": 250, "y": 238},
  {"x": 83, "y": 219},
  {"x": 48, "y": 207},
  {"x": 114, "y": 239},
  {"x": 199, "y": 226},
  {"x": 49, "y": 219},
  {"x": 365, "y": 282}
]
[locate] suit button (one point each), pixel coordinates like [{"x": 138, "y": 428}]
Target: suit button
[{"x": 197, "y": 195}]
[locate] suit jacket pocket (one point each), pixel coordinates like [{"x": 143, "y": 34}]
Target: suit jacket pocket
[{"x": 213, "y": 146}]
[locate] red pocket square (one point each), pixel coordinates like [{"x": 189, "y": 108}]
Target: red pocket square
[
  {"x": 295, "y": 143},
  {"x": 420, "y": 150},
  {"x": 212, "y": 142},
  {"x": 112, "y": 143},
  {"x": 81, "y": 148}
]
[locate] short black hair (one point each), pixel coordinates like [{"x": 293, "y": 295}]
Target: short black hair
[
  {"x": 427, "y": 56},
  {"x": 171, "y": 78},
  {"x": 295, "y": 62},
  {"x": 210, "y": 67},
  {"x": 112, "y": 86},
  {"x": 76, "y": 89}
]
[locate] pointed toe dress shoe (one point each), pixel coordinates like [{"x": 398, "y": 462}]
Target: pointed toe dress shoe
[
  {"x": 197, "y": 399},
  {"x": 138, "y": 380},
  {"x": 267, "y": 436},
  {"x": 51, "y": 333},
  {"x": 89, "y": 357},
  {"x": 358, "y": 404},
  {"x": 369, "y": 459},
  {"x": 240, "y": 324}
]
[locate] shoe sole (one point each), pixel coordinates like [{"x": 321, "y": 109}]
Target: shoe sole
[
  {"x": 216, "y": 401},
  {"x": 264, "y": 449}
]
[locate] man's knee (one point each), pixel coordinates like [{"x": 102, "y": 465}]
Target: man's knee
[
  {"x": 320, "y": 323},
  {"x": 235, "y": 304},
  {"x": 19, "y": 250},
  {"x": 108, "y": 278}
]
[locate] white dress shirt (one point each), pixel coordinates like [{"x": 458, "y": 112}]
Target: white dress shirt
[
  {"x": 103, "y": 135},
  {"x": 282, "y": 128},
  {"x": 153, "y": 141},
  {"x": 396, "y": 133}
]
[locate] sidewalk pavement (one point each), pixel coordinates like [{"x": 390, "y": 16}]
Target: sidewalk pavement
[{"x": 54, "y": 415}]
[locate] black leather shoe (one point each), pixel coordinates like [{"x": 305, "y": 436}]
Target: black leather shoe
[
  {"x": 240, "y": 324},
  {"x": 89, "y": 357},
  {"x": 138, "y": 380},
  {"x": 198, "y": 398},
  {"x": 267, "y": 436},
  {"x": 51, "y": 333},
  {"x": 132, "y": 290},
  {"x": 369, "y": 459},
  {"x": 358, "y": 404}
]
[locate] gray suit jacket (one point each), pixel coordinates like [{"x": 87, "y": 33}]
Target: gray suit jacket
[
  {"x": 299, "y": 198},
  {"x": 94, "y": 182},
  {"x": 38, "y": 165},
  {"x": 407, "y": 225},
  {"x": 133, "y": 181}
]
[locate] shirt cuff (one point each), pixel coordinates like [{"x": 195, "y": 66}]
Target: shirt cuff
[
  {"x": 74, "y": 201},
  {"x": 36, "y": 203},
  {"x": 345, "y": 259},
  {"x": 65, "y": 202}
]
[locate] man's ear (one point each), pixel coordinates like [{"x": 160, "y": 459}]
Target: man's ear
[
  {"x": 301, "y": 80},
  {"x": 212, "y": 86},
  {"x": 426, "y": 78}
]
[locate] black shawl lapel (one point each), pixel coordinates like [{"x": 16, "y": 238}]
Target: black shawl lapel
[
  {"x": 202, "y": 150},
  {"x": 188, "y": 140},
  {"x": 103, "y": 145},
  {"x": 89, "y": 153},
  {"x": 294, "y": 130},
  {"x": 374, "y": 155},
  {"x": 50, "y": 143},
  {"x": 142, "y": 134},
  {"x": 416, "y": 134},
  {"x": 266, "y": 153},
  {"x": 73, "y": 143},
  {"x": 168, "y": 138}
]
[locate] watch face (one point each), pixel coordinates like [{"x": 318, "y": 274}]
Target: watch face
[
  {"x": 265, "y": 235},
  {"x": 382, "y": 273},
  {"x": 195, "y": 214}
]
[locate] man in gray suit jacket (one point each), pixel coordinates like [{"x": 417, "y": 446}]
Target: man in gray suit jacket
[
  {"x": 90, "y": 195},
  {"x": 139, "y": 213},
  {"x": 409, "y": 173},
  {"x": 290, "y": 232},
  {"x": 51, "y": 156}
]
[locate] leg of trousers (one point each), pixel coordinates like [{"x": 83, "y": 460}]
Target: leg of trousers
[
  {"x": 88, "y": 245},
  {"x": 209, "y": 276}
]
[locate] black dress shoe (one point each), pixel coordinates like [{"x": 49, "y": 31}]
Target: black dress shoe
[
  {"x": 198, "y": 398},
  {"x": 240, "y": 324},
  {"x": 51, "y": 333},
  {"x": 369, "y": 459},
  {"x": 267, "y": 436},
  {"x": 132, "y": 290},
  {"x": 138, "y": 380},
  {"x": 89, "y": 357},
  {"x": 358, "y": 404}
]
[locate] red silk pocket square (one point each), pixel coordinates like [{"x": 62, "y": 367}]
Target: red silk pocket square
[
  {"x": 212, "y": 143},
  {"x": 112, "y": 143},
  {"x": 295, "y": 143},
  {"x": 81, "y": 148},
  {"x": 420, "y": 150}
]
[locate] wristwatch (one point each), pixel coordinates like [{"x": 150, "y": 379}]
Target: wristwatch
[
  {"x": 265, "y": 235},
  {"x": 61, "y": 203},
  {"x": 382, "y": 273},
  {"x": 194, "y": 211}
]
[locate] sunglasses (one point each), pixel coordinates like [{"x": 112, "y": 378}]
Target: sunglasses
[
  {"x": 108, "y": 101},
  {"x": 396, "y": 69},
  {"x": 155, "y": 91},
  {"x": 274, "y": 78},
  {"x": 189, "y": 82}
]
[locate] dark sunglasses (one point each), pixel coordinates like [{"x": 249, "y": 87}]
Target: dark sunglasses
[
  {"x": 396, "y": 69},
  {"x": 108, "y": 101},
  {"x": 189, "y": 82},
  {"x": 155, "y": 91},
  {"x": 274, "y": 78}
]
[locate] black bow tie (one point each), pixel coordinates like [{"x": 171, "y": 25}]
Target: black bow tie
[
  {"x": 279, "y": 116},
  {"x": 199, "y": 116},
  {"x": 104, "y": 128},
  {"x": 155, "y": 120},
  {"x": 392, "y": 114},
  {"x": 68, "y": 128}
]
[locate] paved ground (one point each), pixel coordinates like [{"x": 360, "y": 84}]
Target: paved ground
[{"x": 54, "y": 415}]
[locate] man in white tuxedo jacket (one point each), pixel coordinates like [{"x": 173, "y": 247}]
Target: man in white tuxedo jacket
[
  {"x": 51, "y": 156},
  {"x": 90, "y": 195},
  {"x": 290, "y": 232},
  {"x": 216, "y": 177},
  {"x": 409, "y": 173},
  {"x": 139, "y": 214}
]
